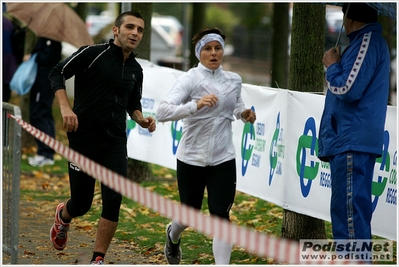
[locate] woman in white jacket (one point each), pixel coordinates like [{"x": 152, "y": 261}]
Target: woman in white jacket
[{"x": 207, "y": 98}]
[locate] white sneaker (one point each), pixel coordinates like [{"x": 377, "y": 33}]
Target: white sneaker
[{"x": 39, "y": 161}]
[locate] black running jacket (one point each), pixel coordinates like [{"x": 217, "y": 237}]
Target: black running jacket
[{"x": 106, "y": 87}]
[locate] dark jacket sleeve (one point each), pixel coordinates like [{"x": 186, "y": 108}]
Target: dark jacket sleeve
[
  {"x": 135, "y": 96},
  {"x": 76, "y": 63}
]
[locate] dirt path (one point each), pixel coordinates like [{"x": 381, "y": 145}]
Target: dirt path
[{"x": 36, "y": 218}]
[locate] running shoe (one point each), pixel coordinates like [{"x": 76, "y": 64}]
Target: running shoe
[
  {"x": 39, "y": 161},
  {"x": 172, "y": 251},
  {"x": 99, "y": 261},
  {"x": 58, "y": 232}
]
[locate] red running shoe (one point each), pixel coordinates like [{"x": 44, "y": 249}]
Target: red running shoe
[
  {"x": 99, "y": 261},
  {"x": 58, "y": 232}
]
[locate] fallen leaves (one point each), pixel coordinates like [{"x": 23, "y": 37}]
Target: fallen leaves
[
  {"x": 128, "y": 211},
  {"x": 131, "y": 246},
  {"x": 246, "y": 204},
  {"x": 82, "y": 226},
  {"x": 45, "y": 186},
  {"x": 144, "y": 210},
  {"x": 142, "y": 238}
]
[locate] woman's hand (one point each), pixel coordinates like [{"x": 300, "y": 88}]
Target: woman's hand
[
  {"x": 208, "y": 100},
  {"x": 249, "y": 115}
]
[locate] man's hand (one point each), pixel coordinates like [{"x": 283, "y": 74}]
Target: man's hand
[
  {"x": 332, "y": 56},
  {"x": 68, "y": 116},
  {"x": 149, "y": 123}
]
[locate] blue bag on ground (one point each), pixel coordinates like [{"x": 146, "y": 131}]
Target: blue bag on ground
[{"x": 25, "y": 76}]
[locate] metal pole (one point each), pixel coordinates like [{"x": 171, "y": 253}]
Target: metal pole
[
  {"x": 125, "y": 6},
  {"x": 11, "y": 142},
  {"x": 16, "y": 185},
  {"x": 342, "y": 26}
]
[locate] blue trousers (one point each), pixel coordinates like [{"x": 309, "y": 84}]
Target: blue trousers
[
  {"x": 40, "y": 111},
  {"x": 351, "y": 210}
]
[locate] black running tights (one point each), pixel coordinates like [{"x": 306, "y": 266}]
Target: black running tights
[
  {"x": 219, "y": 181},
  {"x": 112, "y": 156}
]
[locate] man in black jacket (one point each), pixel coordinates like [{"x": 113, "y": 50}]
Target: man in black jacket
[{"x": 108, "y": 84}]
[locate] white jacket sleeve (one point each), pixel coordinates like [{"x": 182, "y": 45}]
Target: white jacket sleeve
[
  {"x": 240, "y": 106},
  {"x": 177, "y": 104}
]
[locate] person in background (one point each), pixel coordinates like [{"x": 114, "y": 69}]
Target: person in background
[
  {"x": 352, "y": 123},
  {"x": 10, "y": 63},
  {"x": 41, "y": 98},
  {"x": 108, "y": 84},
  {"x": 208, "y": 99}
]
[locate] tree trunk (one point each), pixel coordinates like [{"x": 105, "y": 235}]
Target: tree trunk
[
  {"x": 82, "y": 9},
  {"x": 137, "y": 170},
  {"x": 297, "y": 226},
  {"x": 306, "y": 75},
  {"x": 280, "y": 57},
  {"x": 307, "y": 47},
  {"x": 144, "y": 49},
  {"x": 196, "y": 25}
]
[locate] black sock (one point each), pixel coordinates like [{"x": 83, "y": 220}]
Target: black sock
[
  {"x": 62, "y": 219},
  {"x": 96, "y": 254}
]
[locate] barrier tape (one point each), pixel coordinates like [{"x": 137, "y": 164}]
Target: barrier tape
[{"x": 281, "y": 250}]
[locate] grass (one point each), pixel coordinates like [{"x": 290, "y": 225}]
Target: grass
[
  {"x": 146, "y": 228},
  {"x": 60, "y": 166}
]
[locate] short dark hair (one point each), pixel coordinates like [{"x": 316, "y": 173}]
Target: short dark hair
[
  {"x": 206, "y": 31},
  {"x": 119, "y": 19}
]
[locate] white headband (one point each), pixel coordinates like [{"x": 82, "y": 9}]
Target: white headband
[{"x": 206, "y": 39}]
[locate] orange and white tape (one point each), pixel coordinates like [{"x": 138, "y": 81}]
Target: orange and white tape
[{"x": 281, "y": 250}]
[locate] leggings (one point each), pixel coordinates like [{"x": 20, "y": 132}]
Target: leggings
[
  {"x": 219, "y": 181},
  {"x": 112, "y": 156}
]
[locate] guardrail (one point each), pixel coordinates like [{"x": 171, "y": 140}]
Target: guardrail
[{"x": 11, "y": 140}]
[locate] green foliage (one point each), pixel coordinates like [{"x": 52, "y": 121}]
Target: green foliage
[
  {"x": 225, "y": 16},
  {"x": 96, "y": 8},
  {"x": 221, "y": 18},
  {"x": 251, "y": 14},
  {"x": 169, "y": 9}
]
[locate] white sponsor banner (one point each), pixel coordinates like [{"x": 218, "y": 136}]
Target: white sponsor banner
[{"x": 277, "y": 156}]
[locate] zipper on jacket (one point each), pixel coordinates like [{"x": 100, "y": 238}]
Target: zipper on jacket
[{"x": 212, "y": 138}]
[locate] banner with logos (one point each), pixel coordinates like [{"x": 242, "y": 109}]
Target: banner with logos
[{"x": 277, "y": 156}]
